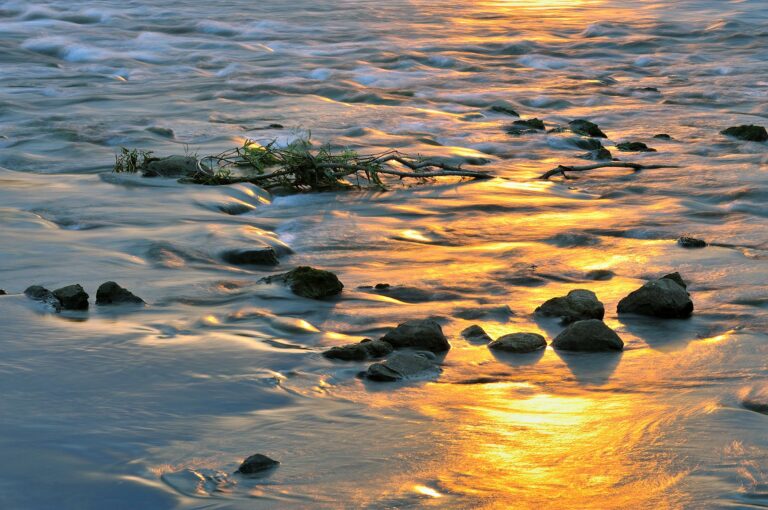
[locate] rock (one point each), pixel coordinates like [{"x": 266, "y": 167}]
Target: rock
[
  {"x": 634, "y": 147},
  {"x": 588, "y": 144},
  {"x": 600, "y": 274},
  {"x": 750, "y": 133},
  {"x": 586, "y": 128},
  {"x": 72, "y": 297},
  {"x": 422, "y": 334},
  {"x": 171, "y": 166},
  {"x": 256, "y": 464},
  {"x": 591, "y": 335},
  {"x": 500, "y": 313},
  {"x": 662, "y": 136},
  {"x": 367, "y": 349},
  {"x": 402, "y": 365},
  {"x": 666, "y": 298},
  {"x": 691, "y": 242},
  {"x": 381, "y": 286},
  {"x": 3, "y": 292},
  {"x": 519, "y": 342},
  {"x": 505, "y": 110},
  {"x": 676, "y": 277},
  {"x": 309, "y": 282},
  {"x": 476, "y": 334},
  {"x": 265, "y": 256},
  {"x": 579, "y": 304},
  {"x": 408, "y": 294},
  {"x": 110, "y": 293},
  {"x": 520, "y": 127},
  {"x": 38, "y": 293}
]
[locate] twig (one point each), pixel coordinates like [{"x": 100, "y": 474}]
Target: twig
[{"x": 561, "y": 169}]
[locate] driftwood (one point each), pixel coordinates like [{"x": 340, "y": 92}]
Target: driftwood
[{"x": 561, "y": 169}]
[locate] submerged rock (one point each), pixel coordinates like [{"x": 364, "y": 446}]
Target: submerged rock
[
  {"x": 171, "y": 166},
  {"x": 666, "y": 297},
  {"x": 3, "y": 292},
  {"x": 476, "y": 334},
  {"x": 691, "y": 242},
  {"x": 519, "y": 342},
  {"x": 402, "y": 365},
  {"x": 586, "y": 128},
  {"x": 309, "y": 282},
  {"x": 367, "y": 349},
  {"x": 748, "y": 132},
  {"x": 578, "y": 305},
  {"x": 257, "y": 463},
  {"x": 601, "y": 154},
  {"x": 408, "y": 294},
  {"x": 39, "y": 293},
  {"x": 72, "y": 297},
  {"x": 422, "y": 334},
  {"x": 265, "y": 256},
  {"x": 634, "y": 147},
  {"x": 600, "y": 274},
  {"x": 110, "y": 293},
  {"x": 505, "y": 110},
  {"x": 589, "y": 336},
  {"x": 662, "y": 136}
]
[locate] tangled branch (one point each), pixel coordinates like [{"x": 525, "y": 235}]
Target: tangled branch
[{"x": 561, "y": 169}]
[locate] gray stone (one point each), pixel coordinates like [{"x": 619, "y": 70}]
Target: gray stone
[
  {"x": 590, "y": 336},
  {"x": 367, "y": 349},
  {"x": 579, "y": 304},
  {"x": 423, "y": 334},
  {"x": 171, "y": 166},
  {"x": 110, "y": 293},
  {"x": 519, "y": 342},
  {"x": 666, "y": 298},
  {"x": 257, "y": 463},
  {"x": 476, "y": 334},
  {"x": 308, "y": 282},
  {"x": 265, "y": 256},
  {"x": 402, "y": 365},
  {"x": 72, "y": 297},
  {"x": 38, "y": 293}
]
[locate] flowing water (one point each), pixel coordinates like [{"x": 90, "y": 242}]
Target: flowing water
[{"x": 155, "y": 408}]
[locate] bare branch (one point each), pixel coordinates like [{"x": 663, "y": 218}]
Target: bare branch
[{"x": 561, "y": 169}]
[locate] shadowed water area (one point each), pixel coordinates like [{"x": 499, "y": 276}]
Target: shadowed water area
[{"x": 155, "y": 407}]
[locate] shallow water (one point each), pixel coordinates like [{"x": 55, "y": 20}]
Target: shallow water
[{"x": 155, "y": 408}]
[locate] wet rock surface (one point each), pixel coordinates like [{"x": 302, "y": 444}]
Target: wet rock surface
[
  {"x": 72, "y": 297},
  {"x": 265, "y": 256},
  {"x": 588, "y": 336},
  {"x": 600, "y": 274},
  {"x": 521, "y": 127},
  {"x": 578, "y": 305},
  {"x": 171, "y": 166},
  {"x": 110, "y": 293},
  {"x": 308, "y": 282},
  {"x": 519, "y": 342},
  {"x": 257, "y": 463},
  {"x": 45, "y": 296},
  {"x": 403, "y": 365},
  {"x": 476, "y": 334},
  {"x": 747, "y": 132},
  {"x": 691, "y": 242},
  {"x": 367, "y": 349},
  {"x": 634, "y": 147},
  {"x": 421, "y": 334},
  {"x": 666, "y": 298},
  {"x": 586, "y": 128}
]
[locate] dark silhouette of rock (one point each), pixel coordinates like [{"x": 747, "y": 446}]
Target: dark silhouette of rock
[
  {"x": 505, "y": 110},
  {"x": 257, "y": 463},
  {"x": 110, "y": 293},
  {"x": 72, "y": 297},
  {"x": 586, "y": 128},
  {"x": 38, "y": 293},
  {"x": 2, "y": 292},
  {"x": 309, "y": 282},
  {"x": 265, "y": 256},
  {"x": 519, "y": 342},
  {"x": 579, "y": 304},
  {"x": 600, "y": 274},
  {"x": 402, "y": 365},
  {"x": 521, "y": 127},
  {"x": 666, "y": 297},
  {"x": 590, "y": 336},
  {"x": 750, "y": 133},
  {"x": 367, "y": 349},
  {"x": 676, "y": 277},
  {"x": 634, "y": 147},
  {"x": 422, "y": 334},
  {"x": 662, "y": 136},
  {"x": 691, "y": 242},
  {"x": 476, "y": 334},
  {"x": 171, "y": 166}
]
